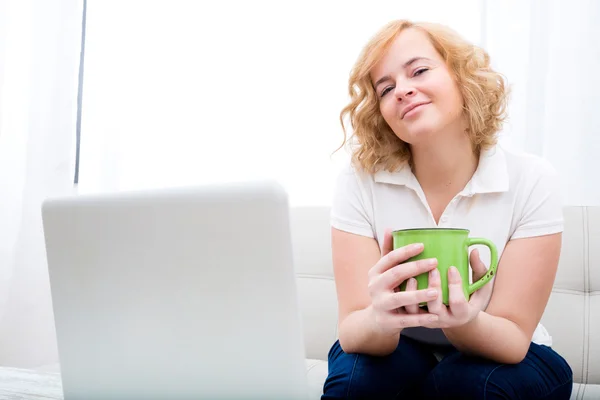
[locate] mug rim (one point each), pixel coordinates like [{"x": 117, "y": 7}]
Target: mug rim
[{"x": 430, "y": 229}]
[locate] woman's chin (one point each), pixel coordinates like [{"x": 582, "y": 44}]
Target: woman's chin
[{"x": 418, "y": 136}]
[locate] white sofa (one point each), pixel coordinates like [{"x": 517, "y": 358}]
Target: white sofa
[{"x": 572, "y": 315}]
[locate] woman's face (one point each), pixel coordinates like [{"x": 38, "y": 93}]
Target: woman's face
[{"x": 418, "y": 96}]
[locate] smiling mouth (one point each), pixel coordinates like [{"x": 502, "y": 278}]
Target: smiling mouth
[{"x": 414, "y": 108}]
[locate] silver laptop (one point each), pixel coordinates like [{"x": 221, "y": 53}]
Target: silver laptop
[{"x": 184, "y": 293}]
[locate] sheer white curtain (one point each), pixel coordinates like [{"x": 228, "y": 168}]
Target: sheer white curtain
[
  {"x": 549, "y": 51},
  {"x": 189, "y": 92},
  {"x": 39, "y": 59}
]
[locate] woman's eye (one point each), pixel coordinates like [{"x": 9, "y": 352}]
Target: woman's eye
[
  {"x": 385, "y": 91},
  {"x": 420, "y": 71}
]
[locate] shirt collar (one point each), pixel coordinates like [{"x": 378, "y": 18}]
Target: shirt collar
[{"x": 491, "y": 175}]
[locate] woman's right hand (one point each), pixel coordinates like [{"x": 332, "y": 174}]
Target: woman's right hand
[{"x": 387, "y": 303}]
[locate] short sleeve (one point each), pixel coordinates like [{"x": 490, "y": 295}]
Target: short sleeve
[
  {"x": 541, "y": 205},
  {"x": 351, "y": 210}
]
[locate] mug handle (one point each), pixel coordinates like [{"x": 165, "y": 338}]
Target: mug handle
[{"x": 493, "y": 263}]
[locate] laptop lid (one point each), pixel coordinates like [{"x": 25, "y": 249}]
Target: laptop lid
[{"x": 183, "y": 293}]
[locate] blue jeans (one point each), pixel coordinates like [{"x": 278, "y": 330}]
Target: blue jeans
[{"x": 413, "y": 372}]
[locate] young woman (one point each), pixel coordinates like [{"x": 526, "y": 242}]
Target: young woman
[{"x": 425, "y": 110}]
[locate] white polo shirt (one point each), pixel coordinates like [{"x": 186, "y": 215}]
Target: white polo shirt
[{"x": 510, "y": 196}]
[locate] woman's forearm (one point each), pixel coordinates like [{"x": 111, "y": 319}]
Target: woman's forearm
[
  {"x": 358, "y": 334},
  {"x": 491, "y": 337}
]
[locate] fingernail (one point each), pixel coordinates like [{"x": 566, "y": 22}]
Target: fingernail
[
  {"x": 432, "y": 261},
  {"x": 432, "y": 293},
  {"x": 453, "y": 272},
  {"x": 413, "y": 282},
  {"x": 417, "y": 246},
  {"x": 434, "y": 273},
  {"x": 433, "y": 318}
]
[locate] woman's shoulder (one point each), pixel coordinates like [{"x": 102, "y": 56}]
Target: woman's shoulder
[
  {"x": 522, "y": 165},
  {"x": 350, "y": 172},
  {"x": 532, "y": 178}
]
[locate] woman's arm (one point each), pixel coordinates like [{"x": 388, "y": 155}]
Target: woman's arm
[
  {"x": 521, "y": 291},
  {"x": 353, "y": 256},
  {"x": 371, "y": 314}
]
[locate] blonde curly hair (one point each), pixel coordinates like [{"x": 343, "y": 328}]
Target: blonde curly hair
[{"x": 374, "y": 146}]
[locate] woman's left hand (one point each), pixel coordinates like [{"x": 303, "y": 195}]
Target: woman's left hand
[{"x": 460, "y": 311}]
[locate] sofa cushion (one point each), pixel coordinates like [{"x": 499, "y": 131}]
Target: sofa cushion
[
  {"x": 572, "y": 313},
  {"x": 316, "y": 370},
  {"x": 582, "y": 391}
]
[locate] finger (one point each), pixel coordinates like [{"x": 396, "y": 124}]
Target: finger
[
  {"x": 456, "y": 297},
  {"x": 480, "y": 297},
  {"x": 411, "y": 286},
  {"x": 479, "y": 268},
  {"x": 394, "y": 300},
  {"x": 400, "y": 273},
  {"x": 388, "y": 242},
  {"x": 397, "y": 256},
  {"x": 400, "y": 321},
  {"x": 436, "y": 305}
]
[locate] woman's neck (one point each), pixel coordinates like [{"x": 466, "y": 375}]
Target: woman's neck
[{"x": 444, "y": 166}]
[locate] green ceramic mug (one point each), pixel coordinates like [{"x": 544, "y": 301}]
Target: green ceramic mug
[{"x": 451, "y": 248}]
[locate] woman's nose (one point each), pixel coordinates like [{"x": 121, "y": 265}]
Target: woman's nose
[{"x": 403, "y": 93}]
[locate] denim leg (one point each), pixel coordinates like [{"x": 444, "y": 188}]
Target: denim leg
[
  {"x": 542, "y": 375},
  {"x": 359, "y": 376}
]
